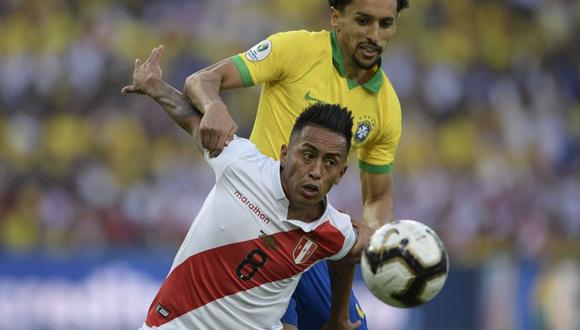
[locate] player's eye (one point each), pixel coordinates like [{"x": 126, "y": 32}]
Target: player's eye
[
  {"x": 386, "y": 23},
  {"x": 362, "y": 21},
  {"x": 330, "y": 162}
]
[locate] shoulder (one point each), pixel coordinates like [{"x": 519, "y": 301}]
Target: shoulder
[
  {"x": 387, "y": 86},
  {"x": 238, "y": 150},
  {"x": 343, "y": 224},
  {"x": 388, "y": 91},
  {"x": 239, "y": 146},
  {"x": 301, "y": 36},
  {"x": 388, "y": 102},
  {"x": 302, "y": 40},
  {"x": 339, "y": 220}
]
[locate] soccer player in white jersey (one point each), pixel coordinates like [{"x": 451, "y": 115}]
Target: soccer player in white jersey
[{"x": 262, "y": 225}]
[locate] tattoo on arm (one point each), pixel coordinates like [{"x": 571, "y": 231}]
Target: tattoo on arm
[{"x": 178, "y": 107}]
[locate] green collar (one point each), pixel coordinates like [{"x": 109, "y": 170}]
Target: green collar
[{"x": 373, "y": 85}]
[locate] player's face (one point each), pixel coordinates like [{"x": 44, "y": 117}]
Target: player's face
[
  {"x": 364, "y": 28},
  {"x": 311, "y": 164}
]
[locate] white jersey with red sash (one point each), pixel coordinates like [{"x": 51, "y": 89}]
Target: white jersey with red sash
[{"x": 242, "y": 258}]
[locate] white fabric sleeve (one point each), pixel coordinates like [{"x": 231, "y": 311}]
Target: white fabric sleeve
[
  {"x": 345, "y": 227},
  {"x": 234, "y": 151}
]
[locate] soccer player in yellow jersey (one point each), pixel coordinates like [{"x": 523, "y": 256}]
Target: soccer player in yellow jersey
[{"x": 295, "y": 69}]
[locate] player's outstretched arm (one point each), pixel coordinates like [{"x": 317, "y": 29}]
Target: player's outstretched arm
[
  {"x": 341, "y": 275},
  {"x": 217, "y": 127},
  {"x": 147, "y": 80},
  {"x": 377, "y": 196}
]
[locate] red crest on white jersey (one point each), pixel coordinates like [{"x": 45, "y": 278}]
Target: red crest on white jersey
[{"x": 304, "y": 250}]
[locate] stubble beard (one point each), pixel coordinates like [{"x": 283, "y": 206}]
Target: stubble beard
[{"x": 363, "y": 65}]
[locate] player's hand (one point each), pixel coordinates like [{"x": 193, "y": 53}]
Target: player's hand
[
  {"x": 146, "y": 74},
  {"x": 341, "y": 325},
  {"x": 217, "y": 128}
]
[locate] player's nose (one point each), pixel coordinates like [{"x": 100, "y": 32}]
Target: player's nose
[
  {"x": 315, "y": 171},
  {"x": 373, "y": 32}
]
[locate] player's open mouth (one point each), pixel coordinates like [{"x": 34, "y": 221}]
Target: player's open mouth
[
  {"x": 310, "y": 190},
  {"x": 369, "y": 51}
]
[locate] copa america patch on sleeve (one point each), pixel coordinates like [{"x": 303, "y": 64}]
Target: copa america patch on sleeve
[{"x": 260, "y": 51}]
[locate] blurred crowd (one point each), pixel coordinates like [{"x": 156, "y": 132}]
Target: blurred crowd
[{"x": 490, "y": 90}]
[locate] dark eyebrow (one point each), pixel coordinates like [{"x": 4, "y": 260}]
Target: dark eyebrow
[
  {"x": 365, "y": 15},
  {"x": 308, "y": 145},
  {"x": 331, "y": 154}
]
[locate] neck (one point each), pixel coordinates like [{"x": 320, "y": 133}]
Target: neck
[{"x": 306, "y": 214}]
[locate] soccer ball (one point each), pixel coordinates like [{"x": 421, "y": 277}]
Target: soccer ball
[{"x": 404, "y": 263}]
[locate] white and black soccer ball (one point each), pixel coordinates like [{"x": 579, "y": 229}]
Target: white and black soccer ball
[{"x": 405, "y": 264}]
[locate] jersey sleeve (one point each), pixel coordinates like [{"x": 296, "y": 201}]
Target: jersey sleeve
[
  {"x": 273, "y": 59},
  {"x": 378, "y": 156},
  {"x": 234, "y": 151},
  {"x": 345, "y": 226}
]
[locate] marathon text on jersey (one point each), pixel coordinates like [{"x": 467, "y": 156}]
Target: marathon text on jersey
[{"x": 253, "y": 207}]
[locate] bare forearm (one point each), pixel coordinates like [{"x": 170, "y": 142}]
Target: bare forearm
[
  {"x": 176, "y": 105},
  {"x": 377, "y": 196},
  {"x": 147, "y": 80},
  {"x": 341, "y": 277},
  {"x": 378, "y": 212},
  {"x": 202, "y": 89}
]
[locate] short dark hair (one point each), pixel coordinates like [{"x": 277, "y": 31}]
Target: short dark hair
[
  {"x": 340, "y": 4},
  {"x": 330, "y": 116}
]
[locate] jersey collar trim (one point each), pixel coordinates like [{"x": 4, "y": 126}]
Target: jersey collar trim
[
  {"x": 310, "y": 226},
  {"x": 373, "y": 85}
]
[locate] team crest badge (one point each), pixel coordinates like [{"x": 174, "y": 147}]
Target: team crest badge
[
  {"x": 304, "y": 250},
  {"x": 363, "y": 129},
  {"x": 259, "y": 51}
]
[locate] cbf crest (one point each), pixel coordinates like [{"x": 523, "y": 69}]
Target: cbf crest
[{"x": 364, "y": 127}]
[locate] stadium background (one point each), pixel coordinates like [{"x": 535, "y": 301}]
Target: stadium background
[{"x": 98, "y": 190}]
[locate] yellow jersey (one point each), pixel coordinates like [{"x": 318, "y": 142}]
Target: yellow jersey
[{"x": 300, "y": 67}]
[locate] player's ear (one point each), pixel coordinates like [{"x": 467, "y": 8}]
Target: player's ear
[
  {"x": 283, "y": 155},
  {"x": 335, "y": 17}
]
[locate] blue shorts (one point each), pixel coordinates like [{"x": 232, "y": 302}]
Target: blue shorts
[{"x": 309, "y": 307}]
